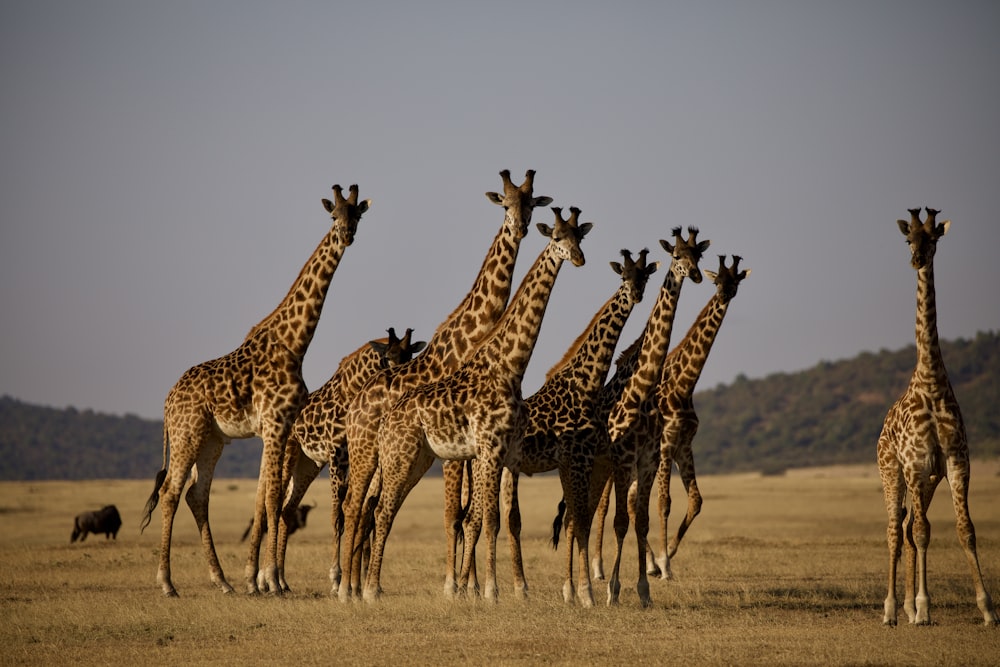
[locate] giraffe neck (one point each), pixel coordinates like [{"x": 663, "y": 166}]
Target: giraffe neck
[
  {"x": 508, "y": 349},
  {"x": 294, "y": 321},
  {"x": 586, "y": 363},
  {"x": 686, "y": 362},
  {"x": 477, "y": 314},
  {"x": 930, "y": 364},
  {"x": 648, "y": 364}
]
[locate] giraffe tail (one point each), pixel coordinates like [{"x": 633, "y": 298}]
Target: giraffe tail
[
  {"x": 154, "y": 498},
  {"x": 557, "y": 523}
]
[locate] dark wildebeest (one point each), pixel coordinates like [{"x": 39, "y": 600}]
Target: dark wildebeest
[
  {"x": 301, "y": 512},
  {"x": 105, "y": 520}
]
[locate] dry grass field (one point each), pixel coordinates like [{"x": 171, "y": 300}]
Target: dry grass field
[{"x": 776, "y": 570}]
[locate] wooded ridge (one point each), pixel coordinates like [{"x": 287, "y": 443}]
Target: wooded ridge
[{"x": 829, "y": 414}]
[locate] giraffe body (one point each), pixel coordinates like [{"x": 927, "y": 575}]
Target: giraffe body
[
  {"x": 257, "y": 389},
  {"x": 923, "y": 440},
  {"x": 477, "y": 411},
  {"x": 452, "y": 342},
  {"x": 317, "y": 438},
  {"x": 629, "y": 399}
]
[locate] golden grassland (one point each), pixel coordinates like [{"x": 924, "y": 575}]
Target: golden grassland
[{"x": 777, "y": 570}]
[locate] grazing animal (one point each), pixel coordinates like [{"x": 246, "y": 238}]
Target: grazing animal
[
  {"x": 923, "y": 440},
  {"x": 298, "y": 521},
  {"x": 105, "y": 520},
  {"x": 257, "y": 389}
]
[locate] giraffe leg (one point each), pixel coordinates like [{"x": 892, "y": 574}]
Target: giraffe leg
[
  {"x": 300, "y": 471},
  {"x": 893, "y": 491},
  {"x": 338, "y": 494},
  {"x": 197, "y": 497},
  {"x": 640, "y": 510},
  {"x": 453, "y": 516},
  {"x": 362, "y": 454},
  {"x": 577, "y": 494},
  {"x": 622, "y": 483},
  {"x": 600, "y": 500},
  {"x": 685, "y": 464},
  {"x": 508, "y": 490},
  {"x": 920, "y": 529},
  {"x": 661, "y": 566},
  {"x": 170, "y": 493},
  {"x": 472, "y": 527},
  {"x": 958, "y": 480},
  {"x": 487, "y": 490},
  {"x": 397, "y": 482}
]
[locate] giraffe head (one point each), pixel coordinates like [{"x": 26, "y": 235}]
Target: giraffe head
[
  {"x": 728, "y": 279},
  {"x": 635, "y": 274},
  {"x": 394, "y": 351},
  {"x": 922, "y": 237},
  {"x": 686, "y": 254},
  {"x": 565, "y": 237},
  {"x": 518, "y": 202},
  {"x": 346, "y": 213}
]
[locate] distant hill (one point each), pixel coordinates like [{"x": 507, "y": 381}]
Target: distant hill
[{"x": 829, "y": 414}]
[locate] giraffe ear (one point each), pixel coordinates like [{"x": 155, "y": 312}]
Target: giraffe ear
[
  {"x": 544, "y": 229},
  {"x": 378, "y": 346},
  {"x": 541, "y": 201},
  {"x": 364, "y": 206},
  {"x": 651, "y": 269},
  {"x": 744, "y": 273},
  {"x": 328, "y": 205},
  {"x": 416, "y": 347},
  {"x": 666, "y": 246},
  {"x": 703, "y": 245},
  {"x": 495, "y": 198},
  {"x": 943, "y": 228},
  {"x": 616, "y": 267},
  {"x": 585, "y": 228},
  {"x": 904, "y": 227},
  {"x": 712, "y": 275}
]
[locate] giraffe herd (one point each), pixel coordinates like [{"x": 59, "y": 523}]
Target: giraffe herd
[{"x": 394, "y": 406}]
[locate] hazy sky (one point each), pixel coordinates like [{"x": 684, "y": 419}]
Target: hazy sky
[{"x": 163, "y": 165}]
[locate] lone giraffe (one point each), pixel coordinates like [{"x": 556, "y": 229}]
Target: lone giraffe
[
  {"x": 923, "y": 439},
  {"x": 477, "y": 411},
  {"x": 257, "y": 389},
  {"x": 452, "y": 342},
  {"x": 566, "y": 430},
  {"x": 677, "y": 416},
  {"x": 634, "y": 449},
  {"x": 317, "y": 437}
]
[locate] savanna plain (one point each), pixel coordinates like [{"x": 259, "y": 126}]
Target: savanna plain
[{"x": 780, "y": 569}]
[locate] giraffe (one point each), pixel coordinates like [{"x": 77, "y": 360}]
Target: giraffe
[
  {"x": 452, "y": 342},
  {"x": 477, "y": 411},
  {"x": 630, "y": 401},
  {"x": 675, "y": 403},
  {"x": 565, "y": 430},
  {"x": 317, "y": 437},
  {"x": 257, "y": 389},
  {"x": 923, "y": 438}
]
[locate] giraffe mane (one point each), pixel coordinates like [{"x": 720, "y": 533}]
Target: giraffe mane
[
  {"x": 630, "y": 350},
  {"x": 578, "y": 343}
]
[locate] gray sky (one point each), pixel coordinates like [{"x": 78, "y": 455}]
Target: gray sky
[{"x": 163, "y": 165}]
